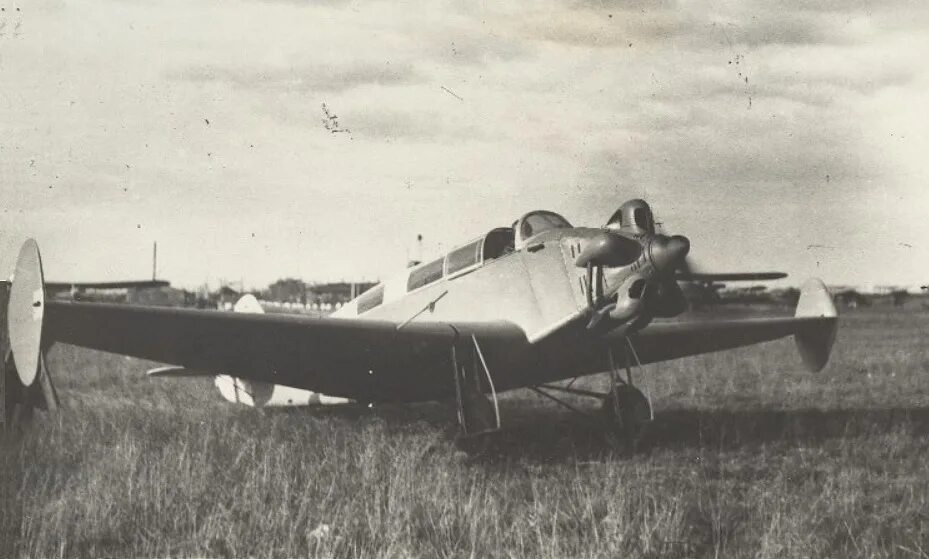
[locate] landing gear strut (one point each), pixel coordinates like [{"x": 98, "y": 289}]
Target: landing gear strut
[
  {"x": 625, "y": 409},
  {"x": 17, "y": 402}
]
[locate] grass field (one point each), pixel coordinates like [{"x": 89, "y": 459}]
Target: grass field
[{"x": 749, "y": 456}]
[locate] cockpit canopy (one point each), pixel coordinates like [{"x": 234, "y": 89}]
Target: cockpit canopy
[
  {"x": 495, "y": 244},
  {"x": 536, "y": 222}
]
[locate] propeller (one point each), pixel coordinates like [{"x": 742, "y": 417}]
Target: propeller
[
  {"x": 650, "y": 288},
  {"x": 663, "y": 296},
  {"x": 638, "y": 266},
  {"x": 686, "y": 271}
]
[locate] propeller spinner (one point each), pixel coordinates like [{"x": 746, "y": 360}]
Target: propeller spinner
[{"x": 668, "y": 253}]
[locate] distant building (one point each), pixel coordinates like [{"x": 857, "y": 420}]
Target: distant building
[
  {"x": 226, "y": 297},
  {"x": 851, "y": 299},
  {"x": 287, "y": 290}
]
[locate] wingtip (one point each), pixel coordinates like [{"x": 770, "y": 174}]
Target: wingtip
[
  {"x": 815, "y": 341},
  {"x": 815, "y": 300},
  {"x": 25, "y": 311}
]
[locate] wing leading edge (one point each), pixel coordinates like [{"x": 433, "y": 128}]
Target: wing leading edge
[
  {"x": 374, "y": 360},
  {"x": 671, "y": 340},
  {"x": 813, "y": 326},
  {"x": 368, "y": 360}
]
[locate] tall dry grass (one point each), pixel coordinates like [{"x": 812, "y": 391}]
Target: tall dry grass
[{"x": 748, "y": 456}]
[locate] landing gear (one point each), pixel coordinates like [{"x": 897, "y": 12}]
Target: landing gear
[
  {"x": 18, "y": 402},
  {"x": 477, "y": 414},
  {"x": 627, "y": 412}
]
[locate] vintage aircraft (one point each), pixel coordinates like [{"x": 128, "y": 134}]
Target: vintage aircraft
[{"x": 519, "y": 307}]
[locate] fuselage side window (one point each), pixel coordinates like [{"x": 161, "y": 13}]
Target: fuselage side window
[
  {"x": 498, "y": 243},
  {"x": 425, "y": 275},
  {"x": 463, "y": 257},
  {"x": 370, "y": 299}
]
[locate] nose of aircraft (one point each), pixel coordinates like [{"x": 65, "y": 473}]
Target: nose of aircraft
[
  {"x": 668, "y": 252},
  {"x": 609, "y": 249}
]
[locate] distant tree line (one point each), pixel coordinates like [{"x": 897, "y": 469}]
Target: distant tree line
[
  {"x": 292, "y": 290},
  {"x": 285, "y": 290}
]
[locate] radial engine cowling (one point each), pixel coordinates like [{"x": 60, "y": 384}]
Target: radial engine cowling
[{"x": 634, "y": 216}]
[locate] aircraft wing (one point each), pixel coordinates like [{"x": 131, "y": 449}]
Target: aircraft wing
[
  {"x": 367, "y": 360},
  {"x": 813, "y": 327},
  {"x": 671, "y": 340}
]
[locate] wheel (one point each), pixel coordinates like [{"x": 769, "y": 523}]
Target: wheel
[{"x": 627, "y": 412}]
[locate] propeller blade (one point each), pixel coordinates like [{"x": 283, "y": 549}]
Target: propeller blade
[
  {"x": 609, "y": 249},
  {"x": 685, "y": 272},
  {"x": 684, "y": 269},
  {"x": 687, "y": 275}
]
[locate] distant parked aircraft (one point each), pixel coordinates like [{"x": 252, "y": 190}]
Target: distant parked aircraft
[{"x": 61, "y": 286}]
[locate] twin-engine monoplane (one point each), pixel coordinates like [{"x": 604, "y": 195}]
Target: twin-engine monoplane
[{"x": 523, "y": 306}]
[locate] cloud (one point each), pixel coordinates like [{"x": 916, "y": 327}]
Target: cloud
[
  {"x": 390, "y": 125},
  {"x": 461, "y": 45},
  {"x": 819, "y": 76},
  {"x": 703, "y": 25},
  {"x": 552, "y": 107},
  {"x": 722, "y": 142},
  {"x": 304, "y": 77}
]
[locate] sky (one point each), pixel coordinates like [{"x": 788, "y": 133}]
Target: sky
[{"x": 777, "y": 136}]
